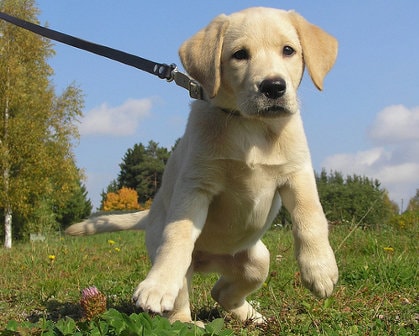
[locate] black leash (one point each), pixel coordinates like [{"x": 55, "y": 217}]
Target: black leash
[{"x": 163, "y": 71}]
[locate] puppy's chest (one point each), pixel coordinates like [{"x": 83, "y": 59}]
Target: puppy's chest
[
  {"x": 278, "y": 161},
  {"x": 249, "y": 190},
  {"x": 252, "y": 176},
  {"x": 238, "y": 214}
]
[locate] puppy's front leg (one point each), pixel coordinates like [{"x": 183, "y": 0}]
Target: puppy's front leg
[
  {"x": 158, "y": 292},
  {"x": 315, "y": 257}
]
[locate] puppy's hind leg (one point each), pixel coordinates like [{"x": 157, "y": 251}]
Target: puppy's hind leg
[{"x": 242, "y": 274}]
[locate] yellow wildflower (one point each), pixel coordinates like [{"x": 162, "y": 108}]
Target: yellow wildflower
[
  {"x": 117, "y": 249},
  {"x": 51, "y": 257},
  {"x": 111, "y": 242},
  {"x": 389, "y": 249}
]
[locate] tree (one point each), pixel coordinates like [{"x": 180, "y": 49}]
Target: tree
[
  {"x": 130, "y": 168},
  {"x": 409, "y": 219},
  {"x": 414, "y": 202},
  {"x": 38, "y": 128},
  {"x": 355, "y": 198},
  {"x": 142, "y": 169},
  {"x": 123, "y": 199},
  {"x": 77, "y": 207},
  {"x": 112, "y": 187}
]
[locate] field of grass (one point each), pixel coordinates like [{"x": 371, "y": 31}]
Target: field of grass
[{"x": 377, "y": 292}]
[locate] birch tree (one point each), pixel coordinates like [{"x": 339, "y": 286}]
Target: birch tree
[{"x": 38, "y": 128}]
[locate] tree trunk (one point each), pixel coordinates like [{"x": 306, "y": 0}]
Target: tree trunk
[
  {"x": 8, "y": 228},
  {"x": 6, "y": 172}
]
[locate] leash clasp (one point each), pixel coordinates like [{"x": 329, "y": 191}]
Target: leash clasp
[
  {"x": 171, "y": 73},
  {"x": 183, "y": 80}
]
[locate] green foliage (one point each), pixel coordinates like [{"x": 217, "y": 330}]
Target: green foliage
[
  {"x": 408, "y": 220},
  {"x": 414, "y": 202},
  {"x": 354, "y": 198},
  {"x": 350, "y": 199},
  {"x": 77, "y": 207},
  {"x": 42, "y": 219},
  {"x": 37, "y": 166},
  {"x": 113, "y": 322},
  {"x": 142, "y": 170}
]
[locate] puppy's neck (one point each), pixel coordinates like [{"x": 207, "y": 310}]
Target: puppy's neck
[{"x": 233, "y": 113}]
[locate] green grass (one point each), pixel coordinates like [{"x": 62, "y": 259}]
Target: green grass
[{"x": 377, "y": 292}]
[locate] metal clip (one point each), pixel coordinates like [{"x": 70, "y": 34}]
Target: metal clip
[
  {"x": 183, "y": 80},
  {"x": 164, "y": 71},
  {"x": 195, "y": 90}
]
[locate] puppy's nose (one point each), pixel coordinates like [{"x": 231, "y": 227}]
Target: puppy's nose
[{"x": 273, "y": 88}]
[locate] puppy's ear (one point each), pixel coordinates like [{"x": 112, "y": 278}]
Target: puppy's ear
[
  {"x": 319, "y": 48},
  {"x": 201, "y": 55}
]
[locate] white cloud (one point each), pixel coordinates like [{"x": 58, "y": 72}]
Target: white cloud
[
  {"x": 394, "y": 161},
  {"x": 396, "y": 123},
  {"x": 361, "y": 161},
  {"x": 121, "y": 120}
]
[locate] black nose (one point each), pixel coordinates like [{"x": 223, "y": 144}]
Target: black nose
[{"x": 273, "y": 88}]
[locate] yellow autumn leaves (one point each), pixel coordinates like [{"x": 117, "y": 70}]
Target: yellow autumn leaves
[{"x": 124, "y": 199}]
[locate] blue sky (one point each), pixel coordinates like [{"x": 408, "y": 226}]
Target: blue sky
[{"x": 366, "y": 121}]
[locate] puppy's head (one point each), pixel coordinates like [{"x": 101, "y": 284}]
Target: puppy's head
[{"x": 252, "y": 61}]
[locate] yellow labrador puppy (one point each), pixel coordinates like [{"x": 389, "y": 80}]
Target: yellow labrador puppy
[{"x": 244, "y": 149}]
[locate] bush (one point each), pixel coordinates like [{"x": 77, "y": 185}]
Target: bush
[
  {"x": 408, "y": 220},
  {"x": 123, "y": 199},
  {"x": 354, "y": 199}
]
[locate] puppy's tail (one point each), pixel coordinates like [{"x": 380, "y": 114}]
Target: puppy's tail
[{"x": 109, "y": 223}]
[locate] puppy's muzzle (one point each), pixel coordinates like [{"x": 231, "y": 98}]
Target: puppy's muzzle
[{"x": 273, "y": 88}]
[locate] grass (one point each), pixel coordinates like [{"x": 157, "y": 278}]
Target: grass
[{"x": 377, "y": 292}]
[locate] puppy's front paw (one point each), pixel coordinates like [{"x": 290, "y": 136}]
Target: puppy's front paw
[
  {"x": 155, "y": 297},
  {"x": 319, "y": 272}
]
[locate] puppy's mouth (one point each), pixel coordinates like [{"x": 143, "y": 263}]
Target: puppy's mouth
[
  {"x": 258, "y": 105},
  {"x": 268, "y": 112},
  {"x": 273, "y": 111}
]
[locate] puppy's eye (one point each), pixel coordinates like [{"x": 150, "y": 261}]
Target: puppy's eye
[
  {"x": 288, "y": 51},
  {"x": 241, "y": 54}
]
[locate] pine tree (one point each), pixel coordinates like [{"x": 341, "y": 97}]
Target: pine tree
[
  {"x": 77, "y": 207},
  {"x": 142, "y": 169},
  {"x": 38, "y": 128}
]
